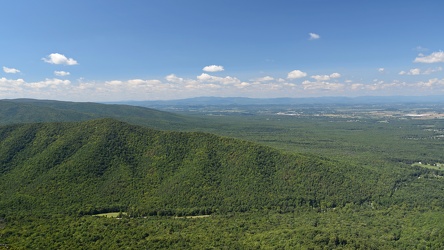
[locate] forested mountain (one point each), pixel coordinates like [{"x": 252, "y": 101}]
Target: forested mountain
[
  {"x": 30, "y": 110},
  {"x": 107, "y": 165},
  {"x": 54, "y": 176}
]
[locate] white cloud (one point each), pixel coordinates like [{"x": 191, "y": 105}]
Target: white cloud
[
  {"x": 411, "y": 72},
  {"x": 133, "y": 83},
  {"x": 321, "y": 77},
  {"x": 114, "y": 83},
  {"x": 322, "y": 85},
  {"x": 417, "y": 71},
  {"x": 435, "y": 57},
  {"x": 52, "y": 83},
  {"x": 326, "y": 77},
  {"x": 205, "y": 84},
  {"x": 56, "y": 58},
  {"x": 381, "y": 70},
  {"x": 357, "y": 86},
  {"x": 8, "y": 83},
  {"x": 174, "y": 79},
  {"x": 10, "y": 70},
  {"x": 430, "y": 83},
  {"x": 430, "y": 71},
  {"x": 296, "y": 74},
  {"x": 204, "y": 77},
  {"x": 414, "y": 72},
  {"x": 243, "y": 85},
  {"x": 61, "y": 73},
  {"x": 314, "y": 36},
  {"x": 213, "y": 68},
  {"x": 265, "y": 79}
]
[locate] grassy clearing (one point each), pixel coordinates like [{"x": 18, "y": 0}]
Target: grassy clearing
[
  {"x": 110, "y": 215},
  {"x": 436, "y": 166}
]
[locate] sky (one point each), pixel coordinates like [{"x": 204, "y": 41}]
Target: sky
[{"x": 117, "y": 50}]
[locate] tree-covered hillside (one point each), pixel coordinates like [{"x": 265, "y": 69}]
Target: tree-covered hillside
[
  {"x": 54, "y": 176},
  {"x": 106, "y": 165}
]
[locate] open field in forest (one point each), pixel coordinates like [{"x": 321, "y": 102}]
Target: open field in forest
[
  {"x": 435, "y": 166},
  {"x": 111, "y": 215}
]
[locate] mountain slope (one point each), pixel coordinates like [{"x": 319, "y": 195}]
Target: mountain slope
[
  {"x": 107, "y": 165},
  {"x": 30, "y": 110}
]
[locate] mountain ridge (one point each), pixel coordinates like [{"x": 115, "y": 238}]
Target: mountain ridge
[
  {"x": 108, "y": 165},
  {"x": 32, "y": 110}
]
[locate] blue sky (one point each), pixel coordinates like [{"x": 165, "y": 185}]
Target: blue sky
[{"x": 170, "y": 49}]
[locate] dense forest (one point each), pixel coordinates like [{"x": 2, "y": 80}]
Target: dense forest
[
  {"x": 106, "y": 165},
  {"x": 198, "y": 190}
]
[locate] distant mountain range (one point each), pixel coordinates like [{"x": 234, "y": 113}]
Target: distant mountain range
[{"x": 225, "y": 101}]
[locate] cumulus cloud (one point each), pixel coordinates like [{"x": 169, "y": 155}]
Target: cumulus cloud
[
  {"x": 265, "y": 79},
  {"x": 414, "y": 72},
  {"x": 430, "y": 83},
  {"x": 322, "y": 85},
  {"x": 10, "y": 70},
  {"x": 8, "y": 83},
  {"x": 56, "y": 58},
  {"x": 417, "y": 71},
  {"x": 314, "y": 36},
  {"x": 411, "y": 72},
  {"x": 321, "y": 77},
  {"x": 204, "y": 77},
  {"x": 326, "y": 77},
  {"x": 174, "y": 79},
  {"x": 204, "y": 84},
  {"x": 213, "y": 68},
  {"x": 133, "y": 83},
  {"x": 51, "y": 83},
  {"x": 61, "y": 73},
  {"x": 435, "y": 57},
  {"x": 430, "y": 71},
  {"x": 381, "y": 70},
  {"x": 295, "y": 74}
]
